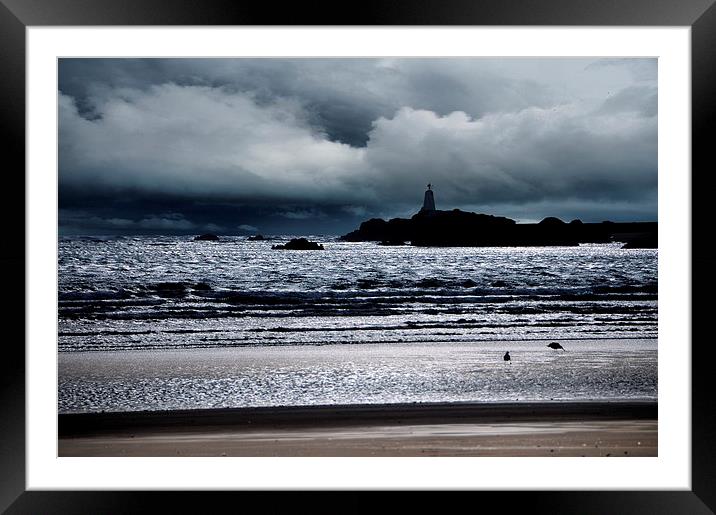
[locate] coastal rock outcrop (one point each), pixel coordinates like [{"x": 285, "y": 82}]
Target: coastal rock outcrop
[
  {"x": 436, "y": 228},
  {"x": 458, "y": 228},
  {"x": 641, "y": 241},
  {"x": 299, "y": 244},
  {"x": 207, "y": 237}
]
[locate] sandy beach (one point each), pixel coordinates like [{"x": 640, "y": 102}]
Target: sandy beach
[{"x": 609, "y": 429}]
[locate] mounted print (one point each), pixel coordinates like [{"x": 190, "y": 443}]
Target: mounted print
[{"x": 357, "y": 257}]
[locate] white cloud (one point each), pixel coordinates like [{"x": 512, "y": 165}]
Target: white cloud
[
  {"x": 201, "y": 141},
  {"x": 215, "y": 142},
  {"x": 532, "y": 154}
]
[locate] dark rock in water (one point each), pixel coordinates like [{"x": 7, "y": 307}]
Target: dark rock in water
[
  {"x": 469, "y": 283},
  {"x": 299, "y": 244},
  {"x": 201, "y": 287},
  {"x": 367, "y": 284},
  {"x": 258, "y": 237},
  {"x": 207, "y": 237},
  {"x": 499, "y": 284},
  {"x": 169, "y": 287},
  {"x": 377, "y": 229},
  {"x": 429, "y": 282},
  {"x": 390, "y": 243},
  {"x": 639, "y": 241}
]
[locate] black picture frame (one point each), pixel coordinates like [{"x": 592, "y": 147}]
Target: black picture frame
[{"x": 17, "y": 15}]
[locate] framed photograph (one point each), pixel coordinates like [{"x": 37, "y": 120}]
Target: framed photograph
[{"x": 436, "y": 247}]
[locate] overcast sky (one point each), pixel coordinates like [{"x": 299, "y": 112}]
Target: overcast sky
[{"x": 315, "y": 146}]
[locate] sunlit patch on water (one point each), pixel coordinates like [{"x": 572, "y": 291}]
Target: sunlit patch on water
[
  {"x": 173, "y": 323},
  {"x": 347, "y": 374}
]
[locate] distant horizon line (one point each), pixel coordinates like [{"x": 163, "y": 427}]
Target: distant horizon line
[{"x": 278, "y": 234}]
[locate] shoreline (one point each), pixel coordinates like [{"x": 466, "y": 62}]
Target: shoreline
[{"x": 74, "y": 424}]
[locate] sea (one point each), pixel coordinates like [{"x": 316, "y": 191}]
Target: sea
[{"x": 166, "y": 322}]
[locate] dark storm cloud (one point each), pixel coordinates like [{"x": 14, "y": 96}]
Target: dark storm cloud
[
  {"x": 307, "y": 145},
  {"x": 341, "y": 97}
]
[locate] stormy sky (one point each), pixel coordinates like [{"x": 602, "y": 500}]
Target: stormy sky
[{"x": 315, "y": 146}]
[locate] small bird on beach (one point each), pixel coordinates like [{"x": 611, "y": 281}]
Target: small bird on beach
[
  {"x": 555, "y": 346},
  {"x": 507, "y": 357}
]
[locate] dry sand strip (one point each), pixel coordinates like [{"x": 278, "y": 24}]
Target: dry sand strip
[
  {"x": 609, "y": 438},
  {"x": 454, "y": 429}
]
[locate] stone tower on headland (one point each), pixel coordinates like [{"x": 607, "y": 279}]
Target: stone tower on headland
[{"x": 429, "y": 202}]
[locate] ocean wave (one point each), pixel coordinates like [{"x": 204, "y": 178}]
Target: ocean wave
[
  {"x": 166, "y": 292},
  {"x": 94, "y": 295},
  {"x": 353, "y": 307},
  {"x": 359, "y": 287}
]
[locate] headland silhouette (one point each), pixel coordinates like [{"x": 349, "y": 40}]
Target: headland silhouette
[{"x": 431, "y": 227}]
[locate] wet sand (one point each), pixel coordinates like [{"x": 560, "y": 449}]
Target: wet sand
[{"x": 614, "y": 429}]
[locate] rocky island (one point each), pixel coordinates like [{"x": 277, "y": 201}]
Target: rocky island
[
  {"x": 207, "y": 237},
  {"x": 431, "y": 227},
  {"x": 299, "y": 244}
]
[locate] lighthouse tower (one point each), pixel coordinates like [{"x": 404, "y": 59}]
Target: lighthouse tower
[{"x": 429, "y": 202}]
